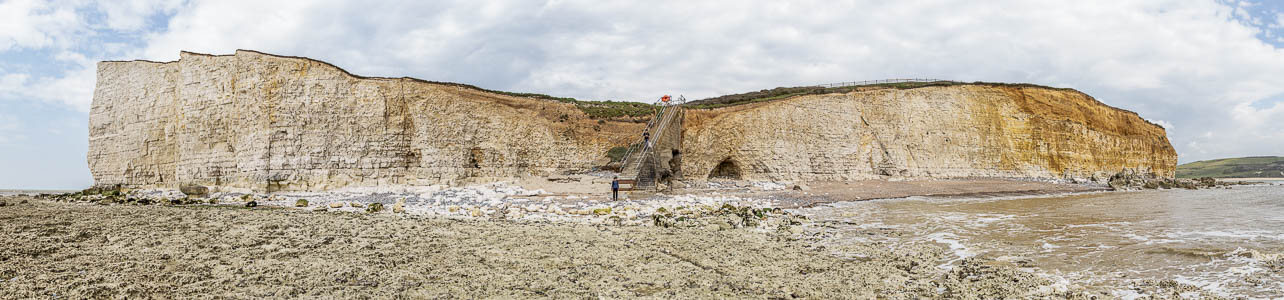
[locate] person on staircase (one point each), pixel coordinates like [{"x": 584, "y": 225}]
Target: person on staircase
[
  {"x": 615, "y": 188},
  {"x": 646, "y": 139}
]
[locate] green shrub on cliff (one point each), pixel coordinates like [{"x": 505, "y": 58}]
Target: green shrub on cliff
[
  {"x": 594, "y": 109},
  {"x": 611, "y": 109},
  {"x": 617, "y": 154}
]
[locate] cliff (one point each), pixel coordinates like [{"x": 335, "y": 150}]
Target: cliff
[
  {"x": 963, "y": 130},
  {"x": 264, "y": 122}
]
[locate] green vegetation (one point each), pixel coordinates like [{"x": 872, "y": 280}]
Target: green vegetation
[
  {"x": 594, "y": 109},
  {"x": 786, "y": 92},
  {"x": 611, "y": 109},
  {"x": 617, "y": 154},
  {"x": 1243, "y": 167}
]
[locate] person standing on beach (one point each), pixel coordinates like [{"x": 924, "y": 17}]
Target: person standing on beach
[{"x": 615, "y": 188}]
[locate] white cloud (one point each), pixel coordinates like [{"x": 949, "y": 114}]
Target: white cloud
[
  {"x": 61, "y": 28},
  {"x": 36, "y": 24},
  {"x": 132, "y": 15},
  {"x": 1165, "y": 124},
  {"x": 1193, "y": 66},
  {"x": 9, "y": 129},
  {"x": 12, "y": 83},
  {"x": 74, "y": 89}
]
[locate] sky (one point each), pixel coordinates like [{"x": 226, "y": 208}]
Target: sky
[{"x": 1210, "y": 71}]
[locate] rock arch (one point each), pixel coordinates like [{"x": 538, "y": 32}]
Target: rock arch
[{"x": 727, "y": 169}]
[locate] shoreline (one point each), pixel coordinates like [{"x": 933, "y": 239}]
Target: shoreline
[
  {"x": 1250, "y": 179},
  {"x": 821, "y": 193}
]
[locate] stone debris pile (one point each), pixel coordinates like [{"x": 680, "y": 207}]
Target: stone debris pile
[{"x": 493, "y": 201}]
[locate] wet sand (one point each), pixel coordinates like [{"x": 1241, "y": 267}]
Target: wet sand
[
  {"x": 830, "y": 192},
  {"x": 80, "y": 250}
]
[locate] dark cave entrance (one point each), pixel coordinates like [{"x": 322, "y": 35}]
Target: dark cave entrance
[{"x": 726, "y": 169}]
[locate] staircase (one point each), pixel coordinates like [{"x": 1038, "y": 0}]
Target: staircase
[{"x": 640, "y": 160}]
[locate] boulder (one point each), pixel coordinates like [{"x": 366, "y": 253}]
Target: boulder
[
  {"x": 301, "y": 203},
  {"x": 724, "y": 225},
  {"x": 251, "y": 203},
  {"x": 795, "y": 230},
  {"x": 374, "y": 207},
  {"x": 194, "y": 190},
  {"x": 801, "y": 187},
  {"x": 400, "y": 206},
  {"x": 336, "y": 204}
]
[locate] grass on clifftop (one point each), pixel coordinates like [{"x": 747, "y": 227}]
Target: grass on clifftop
[
  {"x": 786, "y": 92},
  {"x": 1242, "y": 167},
  {"x": 595, "y": 109}
]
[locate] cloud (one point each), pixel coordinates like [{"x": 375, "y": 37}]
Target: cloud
[
  {"x": 10, "y": 129},
  {"x": 67, "y": 33},
  {"x": 74, "y": 89},
  {"x": 12, "y": 83},
  {"x": 36, "y": 24},
  {"x": 1165, "y": 124},
  {"x": 1193, "y": 66},
  {"x": 132, "y": 15}
]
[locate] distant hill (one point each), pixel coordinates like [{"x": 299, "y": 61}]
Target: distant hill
[{"x": 1242, "y": 167}]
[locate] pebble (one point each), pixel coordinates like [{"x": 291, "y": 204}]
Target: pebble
[{"x": 493, "y": 201}]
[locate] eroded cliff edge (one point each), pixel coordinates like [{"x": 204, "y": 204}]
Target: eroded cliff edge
[{"x": 264, "y": 122}]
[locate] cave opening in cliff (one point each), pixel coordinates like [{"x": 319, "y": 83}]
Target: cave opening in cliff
[{"x": 726, "y": 169}]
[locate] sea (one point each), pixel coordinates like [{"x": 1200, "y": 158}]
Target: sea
[
  {"x": 15, "y": 192},
  {"x": 1228, "y": 242}
]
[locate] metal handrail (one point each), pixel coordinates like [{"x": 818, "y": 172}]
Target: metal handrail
[
  {"x": 665, "y": 120},
  {"x": 628, "y": 154}
]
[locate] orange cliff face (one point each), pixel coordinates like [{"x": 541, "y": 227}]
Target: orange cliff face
[
  {"x": 968, "y": 130},
  {"x": 264, "y": 122}
]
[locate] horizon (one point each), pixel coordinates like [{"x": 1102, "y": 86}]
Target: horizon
[{"x": 1210, "y": 72}]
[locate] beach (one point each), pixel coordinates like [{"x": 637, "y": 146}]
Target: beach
[
  {"x": 928, "y": 239},
  {"x": 78, "y": 250}
]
